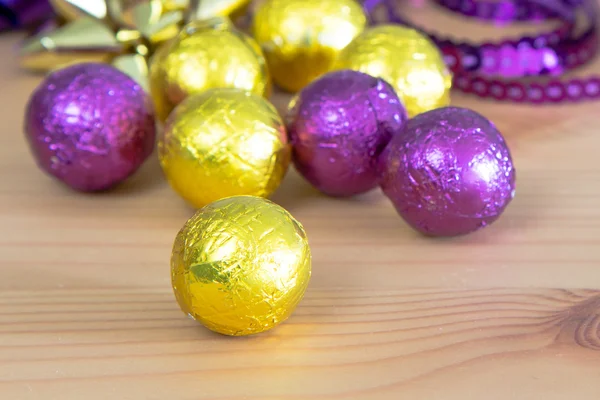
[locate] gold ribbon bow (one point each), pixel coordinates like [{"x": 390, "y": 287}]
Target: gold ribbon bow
[{"x": 122, "y": 32}]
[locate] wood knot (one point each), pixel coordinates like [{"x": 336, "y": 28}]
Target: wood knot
[{"x": 582, "y": 323}]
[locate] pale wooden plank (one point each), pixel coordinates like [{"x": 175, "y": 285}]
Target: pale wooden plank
[{"x": 86, "y": 310}]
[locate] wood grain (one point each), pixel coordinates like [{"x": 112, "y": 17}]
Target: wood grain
[
  {"x": 355, "y": 344},
  {"x": 512, "y": 312}
]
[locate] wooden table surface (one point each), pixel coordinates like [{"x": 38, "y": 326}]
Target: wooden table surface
[{"x": 511, "y": 312}]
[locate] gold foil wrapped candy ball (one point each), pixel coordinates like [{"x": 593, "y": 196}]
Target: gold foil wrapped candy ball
[
  {"x": 206, "y": 54},
  {"x": 240, "y": 265},
  {"x": 407, "y": 60},
  {"x": 221, "y": 143},
  {"x": 302, "y": 38}
]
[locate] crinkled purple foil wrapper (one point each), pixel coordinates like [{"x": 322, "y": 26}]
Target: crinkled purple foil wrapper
[
  {"x": 90, "y": 126},
  {"x": 338, "y": 127},
  {"x": 449, "y": 172},
  {"x": 18, "y": 14}
]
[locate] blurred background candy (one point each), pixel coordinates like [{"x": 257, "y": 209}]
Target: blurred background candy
[
  {"x": 206, "y": 54},
  {"x": 19, "y": 14},
  {"x": 338, "y": 126},
  {"x": 99, "y": 30},
  {"x": 302, "y": 38},
  {"x": 448, "y": 172},
  {"x": 90, "y": 126},
  {"x": 240, "y": 265},
  {"x": 407, "y": 60},
  {"x": 224, "y": 138},
  {"x": 224, "y": 142},
  {"x": 206, "y": 9},
  {"x": 125, "y": 33}
]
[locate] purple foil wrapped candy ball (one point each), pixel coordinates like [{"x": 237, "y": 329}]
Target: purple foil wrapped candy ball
[
  {"x": 338, "y": 127},
  {"x": 448, "y": 172},
  {"x": 90, "y": 125}
]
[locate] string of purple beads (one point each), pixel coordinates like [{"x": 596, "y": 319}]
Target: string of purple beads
[{"x": 492, "y": 70}]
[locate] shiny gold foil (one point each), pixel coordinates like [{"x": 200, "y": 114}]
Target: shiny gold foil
[
  {"x": 174, "y": 5},
  {"x": 116, "y": 30},
  {"x": 84, "y": 40},
  {"x": 206, "y": 9},
  {"x": 407, "y": 60},
  {"x": 206, "y": 54},
  {"x": 302, "y": 38},
  {"x": 221, "y": 143},
  {"x": 240, "y": 266}
]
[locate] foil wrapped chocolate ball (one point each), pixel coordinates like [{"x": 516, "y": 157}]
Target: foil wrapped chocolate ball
[
  {"x": 206, "y": 54},
  {"x": 90, "y": 126},
  {"x": 448, "y": 172},
  {"x": 407, "y": 60},
  {"x": 338, "y": 126},
  {"x": 221, "y": 143},
  {"x": 302, "y": 38},
  {"x": 240, "y": 265}
]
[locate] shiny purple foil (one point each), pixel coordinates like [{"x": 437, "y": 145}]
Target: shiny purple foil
[
  {"x": 448, "y": 172},
  {"x": 16, "y": 14},
  {"x": 338, "y": 127},
  {"x": 90, "y": 125}
]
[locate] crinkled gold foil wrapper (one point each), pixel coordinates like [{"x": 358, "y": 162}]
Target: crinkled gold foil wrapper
[
  {"x": 221, "y": 143},
  {"x": 302, "y": 38},
  {"x": 407, "y": 60},
  {"x": 240, "y": 265},
  {"x": 206, "y": 54}
]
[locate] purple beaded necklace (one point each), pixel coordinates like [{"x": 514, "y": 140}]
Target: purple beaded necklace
[{"x": 524, "y": 69}]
